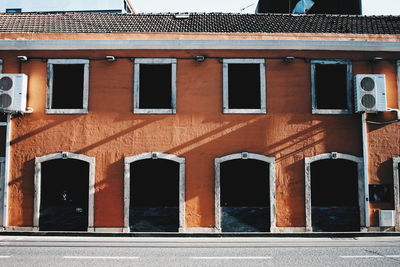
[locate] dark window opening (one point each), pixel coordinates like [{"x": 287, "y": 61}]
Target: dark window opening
[
  {"x": 13, "y": 10},
  {"x": 68, "y": 86},
  {"x": 3, "y": 117},
  {"x": 334, "y": 195},
  {"x": 154, "y": 196},
  {"x": 64, "y": 195},
  {"x": 155, "y": 90},
  {"x": 244, "y": 198},
  {"x": 244, "y": 86},
  {"x": 331, "y": 86},
  {"x": 346, "y": 7},
  {"x": 3, "y": 132}
]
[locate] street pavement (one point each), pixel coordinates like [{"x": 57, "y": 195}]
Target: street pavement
[{"x": 184, "y": 251}]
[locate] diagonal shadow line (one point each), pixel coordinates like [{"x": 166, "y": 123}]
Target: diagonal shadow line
[
  {"x": 112, "y": 137},
  {"x": 210, "y": 134},
  {"x": 297, "y": 135},
  {"x": 41, "y": 129},
  {"x": 298, "y": 150},
  {"x": 300, "y": 140}
]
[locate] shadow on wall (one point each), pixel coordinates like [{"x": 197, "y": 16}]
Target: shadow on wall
[{"x": 48, "y": 126}]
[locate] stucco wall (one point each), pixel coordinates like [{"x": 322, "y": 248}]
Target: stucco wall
[{"x": 199, "y": 131}]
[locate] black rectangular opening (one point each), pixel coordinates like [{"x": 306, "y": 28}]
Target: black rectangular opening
[
  {"x": 348, "y": 7},
  {"x": 154, "y": 196},
  {"x": 13, "y": 10},
  {"x": 64, "y": 196},
  {"x": 3, "y": 130},
  {"x": 155, "y": 91},
  {"x": 244, "y": 198},
  {"x": 380, "y": 193},
  {"x": 68, "y": 86},
  {"x": 244, "y": 86},
  {"x": 335, "y": 196},
  {"x": 3, "y": 117},
  {"x": 331, "y": 86}
]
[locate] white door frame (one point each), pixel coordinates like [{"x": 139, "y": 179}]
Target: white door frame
[
  {"x": 38, "y": 179},
  {"x": 127, "y": 183},
  {"x": 396, "y": 189},
  {"x": 362, "y": 200},
  {"x": 272, "y": 189}
]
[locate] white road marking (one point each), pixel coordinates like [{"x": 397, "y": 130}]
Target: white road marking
[
  {"x": 230, "y": 258},
  {"x": 5, "y": 257},
  {"x": 101, "y": 257},
  {"x": 371, "y": 256}
]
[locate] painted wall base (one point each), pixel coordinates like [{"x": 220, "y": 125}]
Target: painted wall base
[
  {"x": 381, "y": 229},
  {"x": 108, "y": 229},
  {"x": 22, "y": 228},
  {"x": 198, "y": 230},
  {"x": 288, "y": 229}
]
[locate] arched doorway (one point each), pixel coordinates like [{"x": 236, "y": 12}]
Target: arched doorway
[
  {"x": 154, "y": 193},
  {"x": 335, "y": 198},
  {"x": 245, "y": 193},
  {"x": 64, "y": 184}
]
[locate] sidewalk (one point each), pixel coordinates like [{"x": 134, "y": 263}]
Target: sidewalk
[{"x": 222, "y": 235}]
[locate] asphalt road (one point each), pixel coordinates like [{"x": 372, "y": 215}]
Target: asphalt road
[{"x": 134, "y": 251}]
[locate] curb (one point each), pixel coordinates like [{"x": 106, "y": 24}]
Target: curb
[{"x": 206, "y": 235}]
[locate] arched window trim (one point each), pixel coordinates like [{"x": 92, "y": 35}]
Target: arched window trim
[
  {"x": 38, "y": 180},
  {"x": 217, "y": 190},
  {"x": 396, "y": 186},
  {"x": 127, "y": 181},
  {"x": 362, "y": 199}
]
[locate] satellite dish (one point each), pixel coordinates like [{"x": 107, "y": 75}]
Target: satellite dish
[{"x": 303, "y": 6}]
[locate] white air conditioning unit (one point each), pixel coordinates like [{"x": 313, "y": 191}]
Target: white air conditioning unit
[
  {"x": 13, "y": 88},
  {"x": 386, "y": 218},
  {"x": 370, "y": 93}
]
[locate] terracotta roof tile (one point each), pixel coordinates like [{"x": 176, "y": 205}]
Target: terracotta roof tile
[{"x": 198, "y": 22}]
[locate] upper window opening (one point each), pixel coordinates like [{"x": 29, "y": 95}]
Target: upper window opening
[
  {"x": 68, "y": 86},
  {"x": 331, "y": 86},
  {"x": 244, "y": 86},
  {"x": 155, "y": 86},
  {"x": 13, "y": 10}
]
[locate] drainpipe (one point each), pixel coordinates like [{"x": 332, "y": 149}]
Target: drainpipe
[
  {"x": 366, "y": 173},
  {"x": 6, "y": 172}
]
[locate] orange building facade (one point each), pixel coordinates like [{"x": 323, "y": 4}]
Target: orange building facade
[{"x": 199, "y": 133}]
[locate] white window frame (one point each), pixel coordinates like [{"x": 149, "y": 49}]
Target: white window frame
[
  {"x": 271, "y": 181},
  {"x": 38, "y": 182},
  {"x": 398, "y": 82},
  {"x": 363, "y": 201},
  {"x": 127, "y": 185},
  {"x": 262, "y": 64},
  {"x": 349, "y": 89},
  {"x": 136, "y": 86},
  {"x": 85, "y": 100}
]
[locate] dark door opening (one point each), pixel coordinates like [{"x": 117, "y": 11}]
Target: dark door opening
[
  {"x": 64, "y": 195},
  {"x": 334, "y": 196},
  {"x": 245, "y": 200},
  {"x": 154, "y": 196}
]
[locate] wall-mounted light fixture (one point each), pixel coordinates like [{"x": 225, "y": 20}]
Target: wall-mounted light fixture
[
  {"x": 22, "y": 58},
  {"x": 200, "y": 58},
  {"x": 110, "y": 58},
  {"x": 289, "y": 59},
  {"x": 377, "y": 59}
]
